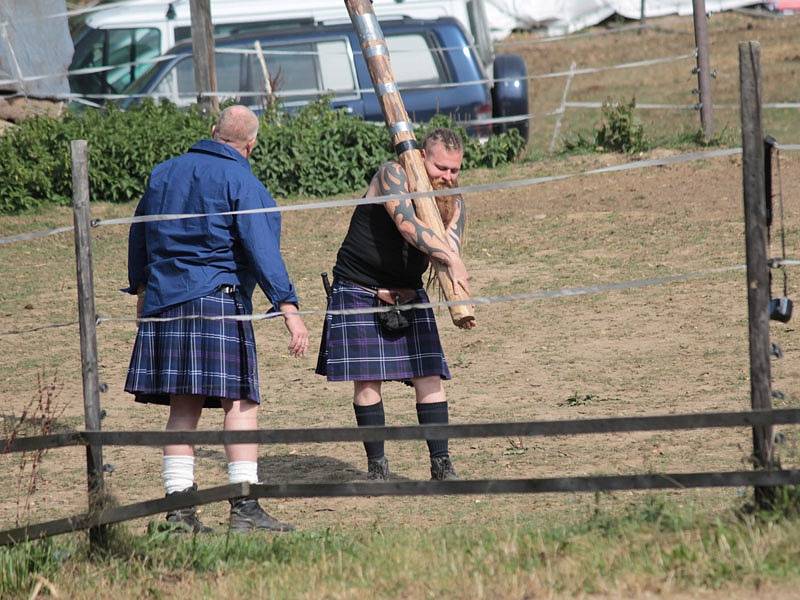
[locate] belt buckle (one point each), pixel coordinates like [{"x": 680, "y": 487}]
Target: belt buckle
[{"x": 227, "y": 289}]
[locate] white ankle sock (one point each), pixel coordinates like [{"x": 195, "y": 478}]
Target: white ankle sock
[
  {"x": 243, "y": 470},
  {"x": 178, "y": 473}
]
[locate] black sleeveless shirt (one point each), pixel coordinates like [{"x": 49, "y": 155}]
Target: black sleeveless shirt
[{"x": 374, "y": 254}]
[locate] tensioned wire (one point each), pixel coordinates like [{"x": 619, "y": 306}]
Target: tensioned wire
[
  {"x": 568, "y": 292},
  {"x": 457, "y": 84},
  {"x": 658, "y": 162}
]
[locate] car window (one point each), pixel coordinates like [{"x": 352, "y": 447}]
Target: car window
[
  {"x": 412, "y": 60},
  {"x": 293, "y": 69},
  {"x": 298, "y": 72},
  {"x": 109, "y": 47},
  {"x": 179, "y": 86},
  {"x": 336, "y": 66}
]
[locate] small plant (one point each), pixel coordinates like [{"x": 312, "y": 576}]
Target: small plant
[
  {"x": 39, "y": 417},
  {"x": 577, "y": 399},
  {"x": 620, "y": 130}
]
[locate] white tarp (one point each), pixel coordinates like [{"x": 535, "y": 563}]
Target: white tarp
[
  {"x": 566, "y": 16},
  {"x": 33, "y": 42}
]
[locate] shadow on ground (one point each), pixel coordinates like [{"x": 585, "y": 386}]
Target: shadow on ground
[{"x": 300, "y": 468}]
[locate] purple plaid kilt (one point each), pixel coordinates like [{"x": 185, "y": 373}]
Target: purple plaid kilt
[
  {"x": 355, "y": 348},
  {"x": 211, "y": 358}
]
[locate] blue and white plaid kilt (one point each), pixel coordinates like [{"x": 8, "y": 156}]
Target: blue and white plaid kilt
[
  {"x": 355, "y": 348},
  {"x": 211, "y": 358}
]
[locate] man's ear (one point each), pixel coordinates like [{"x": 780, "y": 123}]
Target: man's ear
[{"x": 213, "y": 131}]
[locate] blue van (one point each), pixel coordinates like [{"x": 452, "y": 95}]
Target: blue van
[{"x": 436, "y": 69}]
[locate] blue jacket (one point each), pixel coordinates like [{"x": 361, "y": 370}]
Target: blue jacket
[{"x": 180, "y": 260}]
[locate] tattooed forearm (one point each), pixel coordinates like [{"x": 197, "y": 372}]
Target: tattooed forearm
[
  {"x": 392, "y": 180},
  {"x": 415, "y": 231}
]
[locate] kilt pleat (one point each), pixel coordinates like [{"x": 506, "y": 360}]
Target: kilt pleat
[
  {"x": 211, "y": 358},
  {"x": 356, "y": 348}
]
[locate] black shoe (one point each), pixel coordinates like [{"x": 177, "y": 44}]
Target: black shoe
[
  {"x": 378, "y": 469},
  {"x": 185, "y": 520},
  {"x": 442, "y": 469},
  {"x": 247, "y": 515}
]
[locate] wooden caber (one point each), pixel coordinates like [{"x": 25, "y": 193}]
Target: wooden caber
[{"x": 376, "y": 54}]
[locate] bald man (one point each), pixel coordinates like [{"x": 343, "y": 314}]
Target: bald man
[{"x": 208, "y": 267}]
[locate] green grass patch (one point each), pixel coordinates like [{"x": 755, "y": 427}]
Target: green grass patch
[{"x": 647, "y": 544}]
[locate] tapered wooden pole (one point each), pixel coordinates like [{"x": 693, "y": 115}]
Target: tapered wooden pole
[
  {"x": 755, "y": 218},
  {"x": 373, "y": 45},
  {"x": 87, "y": 318}
]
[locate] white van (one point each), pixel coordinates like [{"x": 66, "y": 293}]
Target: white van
[{"x": 136, "y": 31}]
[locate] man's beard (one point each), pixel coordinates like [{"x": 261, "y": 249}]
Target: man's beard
[{"x": 445, "y": 204}]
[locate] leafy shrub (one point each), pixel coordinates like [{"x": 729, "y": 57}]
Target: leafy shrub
[
  {"x": 317, "y": 152},
  {"x": 620, "y": 130}
]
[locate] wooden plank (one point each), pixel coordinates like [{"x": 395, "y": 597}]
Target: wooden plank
[
  {"x": 655, "y": 481},
  {"x": 703, "y": 68},
  {"x": 205, "y": 70},
  {"x": 786, "y": 416},
  {"x": 122, "y": 513},
  {"x": 376, "y": 53},
  {"x": 87, "y": 318},
  {"x": 755, "y": 218},
  {"x": 406, "y": 488}
]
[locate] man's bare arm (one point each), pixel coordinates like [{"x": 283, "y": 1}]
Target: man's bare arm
[
  {"x": 455, "y": 231},
  {"x": 391, "y": 179}
]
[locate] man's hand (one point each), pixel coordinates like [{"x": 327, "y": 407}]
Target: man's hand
[
  {"x": 460, "y": 278},
  {"x": 297, "y": 329}
]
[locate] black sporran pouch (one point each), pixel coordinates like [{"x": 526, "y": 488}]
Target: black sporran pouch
[{"x": 393, "y": 321}]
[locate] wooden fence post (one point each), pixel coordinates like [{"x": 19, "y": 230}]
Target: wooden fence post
[
  {"x": 755, "y": 218},
  {"x": 562, "y": 108},
  {"x": 703, "y": 68},
  {"x": 205, "y": 71},
  {"x": 87, "y": 318}
]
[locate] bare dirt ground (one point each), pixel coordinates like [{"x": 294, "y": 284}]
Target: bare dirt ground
[{"x": 677, "y": 348}]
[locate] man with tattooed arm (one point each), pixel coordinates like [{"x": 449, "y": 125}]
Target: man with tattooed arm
[{"x": 381, "y": 262}]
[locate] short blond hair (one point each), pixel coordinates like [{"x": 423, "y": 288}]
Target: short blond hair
[{"x": 444, "y": 136}]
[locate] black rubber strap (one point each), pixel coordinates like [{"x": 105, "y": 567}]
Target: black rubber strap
[{"x": 405, "y": 146}]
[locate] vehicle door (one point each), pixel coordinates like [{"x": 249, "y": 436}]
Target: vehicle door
[
  {"x": 177, "y": 84},
  {"x": 424, "y": 71}
]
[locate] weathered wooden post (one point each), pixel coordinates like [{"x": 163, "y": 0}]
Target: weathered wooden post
[
  {"x": 755, "y": 219},
  {"x": 205, "y": 71},
  {"x": 373, "y": 45},
  {"x": 88, "y": 334},
  {"x": 703, "y": 68}
]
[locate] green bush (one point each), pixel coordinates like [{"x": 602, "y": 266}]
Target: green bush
[
  {"x": 620, "y": 130},
  {"x": 318, "y": 152}
]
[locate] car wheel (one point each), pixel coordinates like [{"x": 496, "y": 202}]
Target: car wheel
[{"x": 510, "y": 93}]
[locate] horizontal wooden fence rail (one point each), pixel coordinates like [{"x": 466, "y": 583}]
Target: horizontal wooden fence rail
[
  {"x": 412, "y": 432},
  {"x": 653, "y": 481}
]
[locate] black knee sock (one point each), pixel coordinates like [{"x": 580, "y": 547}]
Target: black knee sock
[
  {"x": 371, "y": 415},
  {"x": 435, "y": 412}
]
